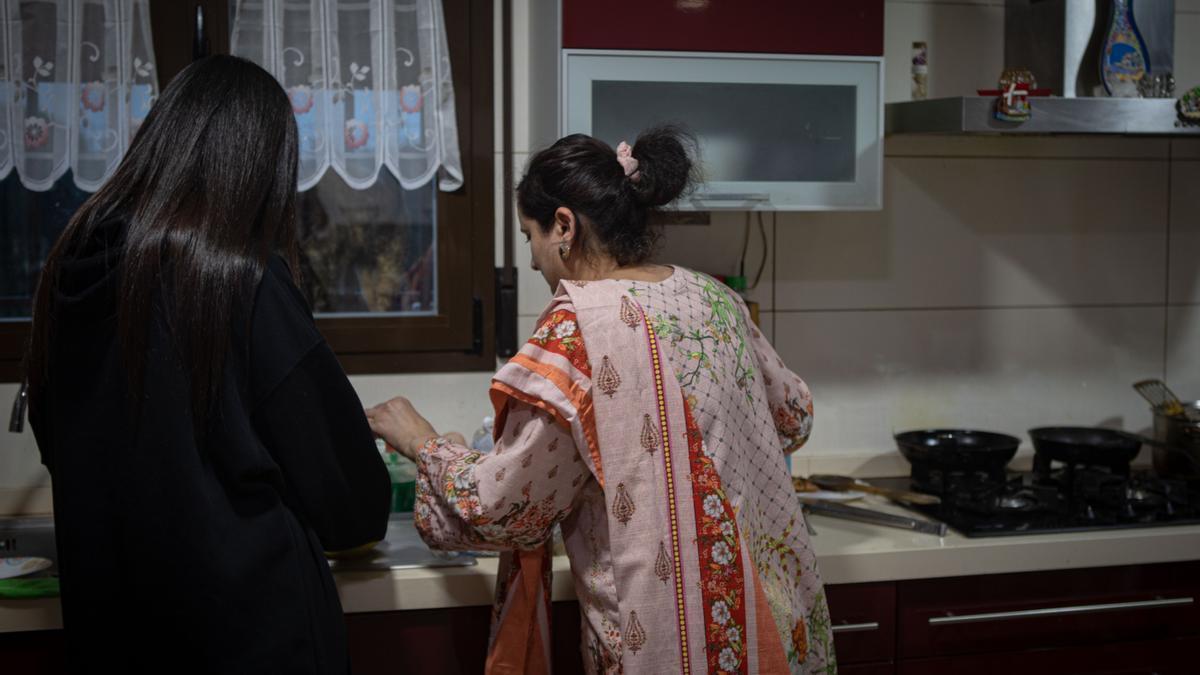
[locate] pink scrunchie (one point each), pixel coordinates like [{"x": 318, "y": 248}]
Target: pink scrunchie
[{"x": 625, "y": 157}]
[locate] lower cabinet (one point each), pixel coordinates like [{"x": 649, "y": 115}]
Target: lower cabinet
[
  {"x": 447, "y": 641},
  {"x": 1136, "y": 619}
]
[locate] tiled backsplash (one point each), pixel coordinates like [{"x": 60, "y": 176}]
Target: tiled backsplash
[{"x": 995, "y": 290}]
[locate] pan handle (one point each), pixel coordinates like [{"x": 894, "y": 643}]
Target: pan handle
[{"x": 1155, "y": 443}]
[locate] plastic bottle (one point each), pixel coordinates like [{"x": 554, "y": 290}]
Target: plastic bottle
[{"x": 482, "y": 440}]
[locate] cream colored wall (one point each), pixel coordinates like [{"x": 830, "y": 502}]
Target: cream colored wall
[{"x": 1007, "y": 282}]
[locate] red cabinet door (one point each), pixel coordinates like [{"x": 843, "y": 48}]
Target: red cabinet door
[
  {"x": 1049, "y": 610},
  {"x": 1156, "y": 657},
  {"x": 845, "y": 27},
  {"x": 864, "y": 621}
]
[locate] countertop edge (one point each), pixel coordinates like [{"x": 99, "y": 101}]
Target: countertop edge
[{"x": 860, "y": 553}]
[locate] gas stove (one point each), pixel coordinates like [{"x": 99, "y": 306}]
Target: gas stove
[{"x": 1051, "y": 498}]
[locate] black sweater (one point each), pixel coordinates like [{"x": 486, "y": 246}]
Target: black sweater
[{"x": 185, "y": 559}]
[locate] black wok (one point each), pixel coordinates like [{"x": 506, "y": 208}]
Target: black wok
[
  {"x": 961, "y": 449},
  {"x": 1086, "y": 445}
]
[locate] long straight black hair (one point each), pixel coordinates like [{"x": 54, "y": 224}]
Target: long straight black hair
[{"x": 208, "y": 190}]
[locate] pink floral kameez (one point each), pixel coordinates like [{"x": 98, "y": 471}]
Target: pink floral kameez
[{"x": 649, "y": 421}]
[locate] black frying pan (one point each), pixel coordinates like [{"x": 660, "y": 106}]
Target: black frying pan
[
  {"x": 1086, "y": 445},
  {"x": 962, "y": 449}
]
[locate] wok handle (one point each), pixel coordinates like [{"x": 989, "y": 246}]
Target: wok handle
[{"x": 875, "y": 517}]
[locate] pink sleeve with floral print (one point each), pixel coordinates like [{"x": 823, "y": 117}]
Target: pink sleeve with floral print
[
  {"x": 508, "y": 498},
  {"x": 787, "y": 395}
]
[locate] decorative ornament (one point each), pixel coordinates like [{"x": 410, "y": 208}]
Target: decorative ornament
[
  {"x": 629, "y": 315},
  {"x": 623, "y": 506},
  {"x": 608, "y": 380}
]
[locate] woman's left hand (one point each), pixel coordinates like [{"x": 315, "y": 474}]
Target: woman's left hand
[{"x": 399, "y": 424}]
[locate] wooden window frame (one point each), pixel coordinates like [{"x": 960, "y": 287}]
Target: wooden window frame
[{"x": 461, "y": 337}]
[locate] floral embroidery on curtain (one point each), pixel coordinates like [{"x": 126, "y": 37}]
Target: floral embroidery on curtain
[
  {"x": 76, "y": 80},
  {"x": 369, "y": 82}
]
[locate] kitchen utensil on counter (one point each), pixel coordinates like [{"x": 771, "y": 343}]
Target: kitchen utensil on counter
[
  {"x": 873, "y": 517},
  {"x": 810, "y": 490},
  {"x": 1177, "y": 443},
  {"x": 833, "y": 495},
  {"x": 1162, "y": 399},
  {"x": 23, "y": 566},
  {"x": 964, "y": 449},
  {"x": 832, "y": 482}
]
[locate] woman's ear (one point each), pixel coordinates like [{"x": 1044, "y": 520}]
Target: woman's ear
[{"x": 565, "y": 225}]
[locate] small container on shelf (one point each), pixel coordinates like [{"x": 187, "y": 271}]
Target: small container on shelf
[{"x": 1015, "y": 87}]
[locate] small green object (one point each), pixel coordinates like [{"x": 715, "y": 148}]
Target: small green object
[
  {"x": 403, "y": 474},
  {"x": 404, "y": 496},
  {"x": 737, "y": 283},
  {"x": 38, "y": 587}
]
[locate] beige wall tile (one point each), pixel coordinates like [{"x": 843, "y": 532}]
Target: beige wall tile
[
  {"x": 874, "y": 373},
  {"x": 1187, "y": 47},
  {"x": 543, "y": 44},
  {"x": 1183, "y": 351},
  {"x": 1185, "y": 232},
  {"x": 966, "y": 46},
  {"x": 984, "y": 232},
  {"x": 1185, "y": 148}
]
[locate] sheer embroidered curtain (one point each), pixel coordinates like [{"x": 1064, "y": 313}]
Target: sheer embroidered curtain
[
  {"x": 369, "y": 82},
  {"x": 76, "y": 79}
]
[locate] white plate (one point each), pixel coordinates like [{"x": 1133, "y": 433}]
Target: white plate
[
  {"x": 19, "y": 567},
  {"x": 832, "y": 496}
]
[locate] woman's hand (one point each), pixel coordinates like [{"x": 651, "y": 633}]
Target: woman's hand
[{"x": 400, "y": 426}]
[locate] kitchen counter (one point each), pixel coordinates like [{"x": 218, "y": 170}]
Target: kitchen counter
[{"x": 847, "y": 552}]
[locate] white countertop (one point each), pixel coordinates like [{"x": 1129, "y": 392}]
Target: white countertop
[{"x": 847, "y": 552}]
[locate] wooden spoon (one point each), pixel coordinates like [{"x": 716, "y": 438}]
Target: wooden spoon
[{"x": 829, "y": 482}]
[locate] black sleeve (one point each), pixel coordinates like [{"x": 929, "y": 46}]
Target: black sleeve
[
  {"x": 314, "y": 426},
  {"x": 311, "y": 420}
]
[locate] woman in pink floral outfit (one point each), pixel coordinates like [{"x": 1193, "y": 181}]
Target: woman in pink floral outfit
[{"x": 649, "y": 419}]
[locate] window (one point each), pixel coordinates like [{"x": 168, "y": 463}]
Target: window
[{"x": 400, "y": 280}]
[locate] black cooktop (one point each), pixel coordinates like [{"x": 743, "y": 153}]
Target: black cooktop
[{"x": 1052, "y": 499}]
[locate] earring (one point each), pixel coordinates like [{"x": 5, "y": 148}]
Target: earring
[{"x": 564, "y": 250}]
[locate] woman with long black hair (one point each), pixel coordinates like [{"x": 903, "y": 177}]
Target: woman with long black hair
[{"x": 205, "y": 446}]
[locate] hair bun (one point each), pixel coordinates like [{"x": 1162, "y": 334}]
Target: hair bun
[{"x": 666, "y": 165}]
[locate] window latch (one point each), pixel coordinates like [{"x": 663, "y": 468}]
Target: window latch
[{"x": 16, "y": 423}]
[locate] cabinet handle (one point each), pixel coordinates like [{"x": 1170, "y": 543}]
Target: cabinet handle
[
  {"x": 732, "y": 197},
  {"x": 856, "y": 627},
  {"x": 1060, "y": 611}
]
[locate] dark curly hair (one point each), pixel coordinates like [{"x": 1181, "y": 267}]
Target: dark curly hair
[{"x": 582, "y": 173}]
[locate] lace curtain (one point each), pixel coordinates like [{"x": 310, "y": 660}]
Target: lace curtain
[
  {"x": 369, "y": 82},
  {"x": 76, "y": 80}
]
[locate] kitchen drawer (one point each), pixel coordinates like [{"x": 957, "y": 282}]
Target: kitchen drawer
[
  {"x": 1060, "y": 609},
  {"x": 1157, "y": 657},
  {"x": 864, "y": 621}
]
